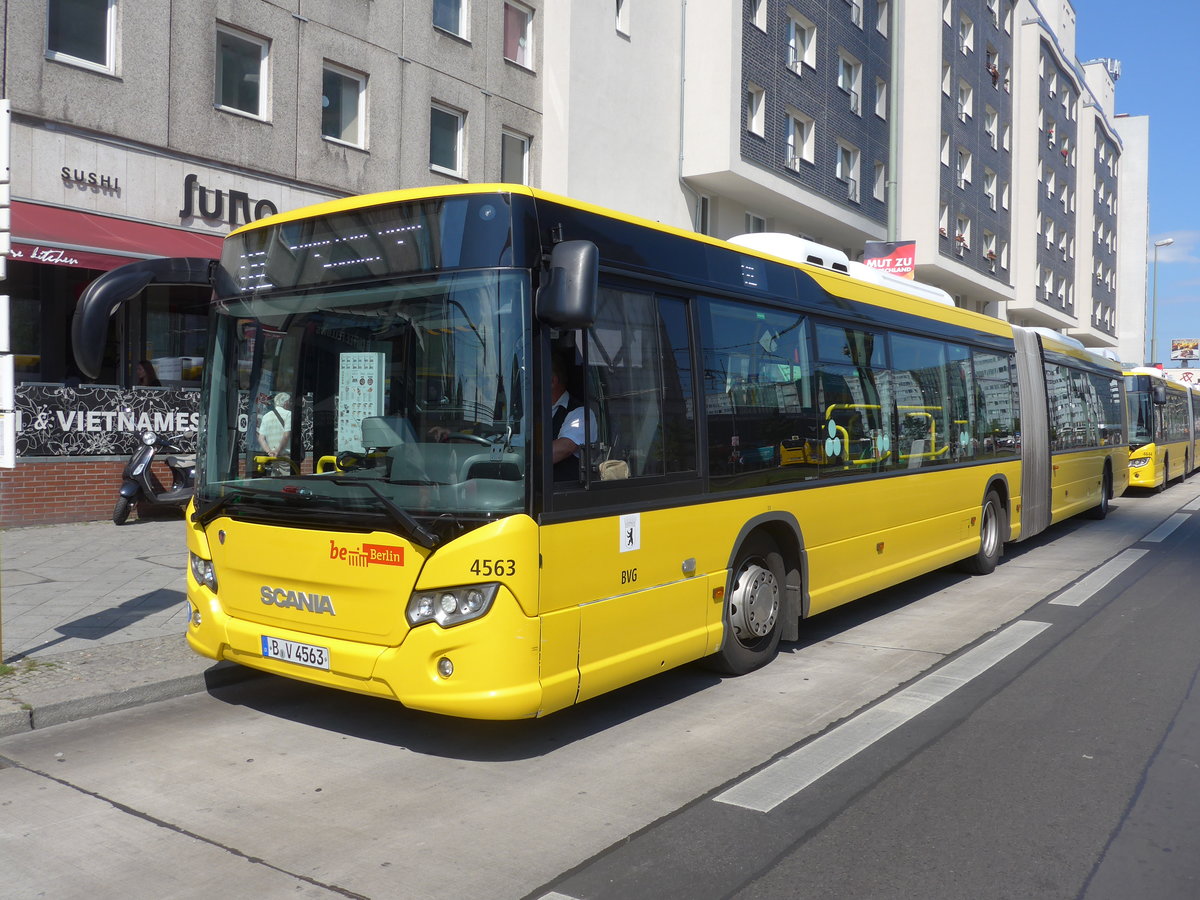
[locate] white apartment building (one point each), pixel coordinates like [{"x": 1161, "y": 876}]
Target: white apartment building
[{"x": 1024, "y": 190}]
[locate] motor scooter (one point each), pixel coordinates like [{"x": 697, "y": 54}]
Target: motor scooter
[{"x": 140, "y": 484}]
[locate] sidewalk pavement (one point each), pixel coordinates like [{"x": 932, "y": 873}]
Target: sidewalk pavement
[{"x": 92, "y": 619}]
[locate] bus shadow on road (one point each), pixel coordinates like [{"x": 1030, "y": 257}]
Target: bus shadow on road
[{"x": 387, "y": 722}]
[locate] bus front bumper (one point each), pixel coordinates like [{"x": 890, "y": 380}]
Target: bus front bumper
[{"x": 485, "y": 669}]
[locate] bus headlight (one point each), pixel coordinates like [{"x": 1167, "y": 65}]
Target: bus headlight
[
  {"x": 451, "y": 606},
  {"x": 203, "y": 572},
  {"x": 1139, "y": 463}
]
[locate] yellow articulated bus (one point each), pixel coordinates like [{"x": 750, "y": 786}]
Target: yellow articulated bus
[
  {"x": 1161, "y": 429},
  {"x": 491, "y": 452}
]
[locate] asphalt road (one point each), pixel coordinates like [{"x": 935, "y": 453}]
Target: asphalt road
[{"x": 953, "y": 737}]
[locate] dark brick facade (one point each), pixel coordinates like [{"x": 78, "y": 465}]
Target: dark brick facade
[
  {"x": 1058, "y": 144},
  {"x": 985, "y": 64},
  {"x": 1104, "y": 241},
  {"x": 814, "y": 92}
]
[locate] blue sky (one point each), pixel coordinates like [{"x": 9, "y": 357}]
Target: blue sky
[{"x": 1156, "y": 43}]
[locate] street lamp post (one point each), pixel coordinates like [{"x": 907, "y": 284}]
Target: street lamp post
[{"x": 1154, "y": 303}]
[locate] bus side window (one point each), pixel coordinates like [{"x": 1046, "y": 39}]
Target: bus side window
[{"x": 639, "y": 376}]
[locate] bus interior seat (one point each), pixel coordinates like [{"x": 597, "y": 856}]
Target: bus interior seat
[
  {"x": 434, "y": 462},
  {"x": 508, "y": 466}
]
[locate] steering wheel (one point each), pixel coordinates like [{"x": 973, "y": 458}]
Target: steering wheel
[{"x": 467, "y": 438}]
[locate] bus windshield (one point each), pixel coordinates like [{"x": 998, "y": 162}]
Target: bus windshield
[
  {"x": 373, "y": 404},
  {"x": 1141, "y": 410}
]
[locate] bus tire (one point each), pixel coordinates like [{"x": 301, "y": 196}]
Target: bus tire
[
  {"x": 753, "y": 609},
  {"x": 1100, "y": 510},
  {"x": 991, "y": 537},
  {"x": 1166, "y": 473},
  {"x": 121, "y": 510}
]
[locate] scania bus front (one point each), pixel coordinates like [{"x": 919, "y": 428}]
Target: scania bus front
[{"x": 364, "y": 475}]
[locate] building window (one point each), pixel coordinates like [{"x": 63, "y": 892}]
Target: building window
[
  {"x": 963, "y": 170},
  {"x": 880, "y": 191},
  {"x": 518, "y": 34},
  {"x": 514, "y": 158},
  {"x": 445, "y": 140},
  {"x": 758, "y": 14},
  {"x": 756, "y": 109},
  {"x": 82, "y": 32},
  {"x": 847, "y": 169},
  {"x": 448, "y": 15},
  {"x": 242, "y": 73},
  {"x": 965, "y": 101},
  {"x": 704, "y": 215},
  {"x": 989, "y": 187},
  {"x": 802, "y": 43},
  {"x": 990, "y": 125},
  {"x": 755, "y": 224},
  {"x": 623, "y": 16},
  {"x": 881, "y": 17},
  {"x": 881, "y": 98},
  {"x": 342, "y": 96},
  {"x": 966, "y": 35},
  {"x": 849, "y": 80},
  {"x": 799, "y": 140},
  {"x": 962, "y": 234}
]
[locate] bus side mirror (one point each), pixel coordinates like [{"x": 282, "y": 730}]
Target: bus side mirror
[
  {"x": 105, "y": 295},
  {"x": 567, "y": 297},
  {"x": 1158, "y": 390}
]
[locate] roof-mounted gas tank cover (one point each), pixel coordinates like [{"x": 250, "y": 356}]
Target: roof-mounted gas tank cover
[{"x": 795, "y": 249}]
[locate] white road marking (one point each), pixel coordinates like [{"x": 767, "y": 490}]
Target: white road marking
[
  {"x": 1082, "y": 591},
  {"x": 1163, "y": 531},
  {"x": 788, "y": 776}
]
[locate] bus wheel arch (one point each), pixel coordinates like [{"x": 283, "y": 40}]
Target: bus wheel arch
[
  {"x": 763, "y": 597},
  {"x": 1166, "y": 474}
]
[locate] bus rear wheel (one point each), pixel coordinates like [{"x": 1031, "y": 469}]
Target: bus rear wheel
[
  {"x": 991, "y": 537},
  {"x": 753, "y": 609}
]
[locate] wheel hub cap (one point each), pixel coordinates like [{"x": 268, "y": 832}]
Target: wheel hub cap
[{"x": 755, "y": 603}]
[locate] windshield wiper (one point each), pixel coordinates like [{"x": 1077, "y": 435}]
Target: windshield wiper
[
  {"x": 415, "y": 529},
  {"x": 232, "y": 492}
]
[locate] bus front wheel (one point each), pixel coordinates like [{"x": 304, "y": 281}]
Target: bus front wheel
[
  {"x": 753, "y": 609},
  {"x": 991, "y": 537},
  {"x": 1166, "y": 476},
  {"x": 1100, "y": 510}
]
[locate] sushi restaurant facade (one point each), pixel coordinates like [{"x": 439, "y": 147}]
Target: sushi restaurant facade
[{"x": 82, "y": 205}]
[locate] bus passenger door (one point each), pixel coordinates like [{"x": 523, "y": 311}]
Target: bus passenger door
[{"x": 630, "y": 572}]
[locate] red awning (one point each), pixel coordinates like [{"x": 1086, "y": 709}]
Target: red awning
[{"x": 71, "y": 237}]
